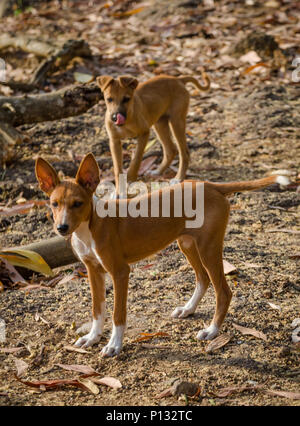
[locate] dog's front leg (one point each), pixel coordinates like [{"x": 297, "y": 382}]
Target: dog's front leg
[
  {"x": 133, "y": 170},
  {"x": 96, "y": 277},
  {"x": 120, "y": 282},
  {"x": 117, "y": 157}
]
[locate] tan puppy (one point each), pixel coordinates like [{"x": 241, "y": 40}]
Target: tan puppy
[
  {"x": 110, "y": 244},
  {"x": 133, "y": 107}
]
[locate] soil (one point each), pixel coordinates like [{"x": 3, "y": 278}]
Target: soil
[{"x": 244, "y": 128}]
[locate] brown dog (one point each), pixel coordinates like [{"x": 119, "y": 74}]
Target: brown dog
[
  {"x": 111, "y": 243},
  {"x": 133, "y": 107}
]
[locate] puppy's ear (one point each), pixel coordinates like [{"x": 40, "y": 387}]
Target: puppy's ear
[
  {"x": 88, "y": 174},
  {"x": 104, "y": 81},
  {"x": 128, "y": 81},
  {"x": 46, "y": 175}
]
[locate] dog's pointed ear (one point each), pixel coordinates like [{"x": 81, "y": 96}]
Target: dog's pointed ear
[
  {"x": 128, "y": 81},
  {"x": 88, "y": 174},
  {"x": 46, "y": 175},
  {"x": 104, "y": 81}
]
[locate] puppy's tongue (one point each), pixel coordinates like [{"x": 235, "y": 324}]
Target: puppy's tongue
[{"x": 120, "y": 119}]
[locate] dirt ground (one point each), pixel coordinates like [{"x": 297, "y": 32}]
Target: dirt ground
[{"x": 244, "y": 128}]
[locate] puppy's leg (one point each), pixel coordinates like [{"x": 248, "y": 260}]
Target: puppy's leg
[
  {"x": 212, "y": 260},
  {"x": 97, "y": 283},
  {"x": 117, "y": 157},
  {"x": 189, "y": 248},
  {"x": 132, "y": 173},
  {"x": 178, "y": 127},
  {"x": 162, "y": 130},
  {"x": 120, "y": 282}
]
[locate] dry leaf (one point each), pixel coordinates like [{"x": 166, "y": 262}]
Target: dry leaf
[
  {"x": 217, "y": 343},
  {"x": 228, "y": 268},
  {"x": 27, "y": 259},
  {"x": 148, "y": 336},
  {"x": 273, "y": 306},
  {"x": 251, "y": 331},
  {"x": 82, "y": 77},
  {"x": 166, "y": 392},
  {"x": 107, "y": 381},
  {"x": 22, "y": 208},
  {"x": 224, "y": 392},
  {"x": 21, "y": 366},
  {"x": 74, "y": 349},
  {"x": 84, "y": 369},
  {"x": 89, "y": 385},
  {"x": 147, "y": 164},
  {"x": 290, "y": 395}
]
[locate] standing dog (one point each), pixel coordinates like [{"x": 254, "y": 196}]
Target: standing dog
[
  {"x": 110, "y": 244},
  {"x": 133, "y": 107}
]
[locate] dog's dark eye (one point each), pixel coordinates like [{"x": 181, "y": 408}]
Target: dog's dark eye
[
  {"x": 77, "y": 204},
  {"x": 54, "y": 204},
  {"x": 126, "y": 99},
  {"x": 109, "y": 99}
]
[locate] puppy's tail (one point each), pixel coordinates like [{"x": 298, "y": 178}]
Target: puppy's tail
[
  {"x": 195, "y": 82},
  {"x": 251, "y": 185}
]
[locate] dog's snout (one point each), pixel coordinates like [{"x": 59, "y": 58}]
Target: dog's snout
[
  {"x": 114, "y": 117},
  {"x": 62, "y": 228}
]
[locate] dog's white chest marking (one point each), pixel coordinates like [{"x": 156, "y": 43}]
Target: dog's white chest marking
[{"x": 84, "y": 244}]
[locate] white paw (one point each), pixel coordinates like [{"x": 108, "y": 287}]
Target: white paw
[
  {"x": 88, "y": 340},
  {"x": 208, "y": 333},
  {"x": 182, "y": 312},
  {"x": 111, "y": 350}
]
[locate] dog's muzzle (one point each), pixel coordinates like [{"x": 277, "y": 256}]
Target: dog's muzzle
[{"x": 118, "y": 118}]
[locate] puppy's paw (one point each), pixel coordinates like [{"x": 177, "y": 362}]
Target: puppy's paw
[
  {"x": 181, "y": 312},
  {"x": 208, "y": 333},
  {"x": 89, "y": 339},
  {"x": 111, "y": 350}
]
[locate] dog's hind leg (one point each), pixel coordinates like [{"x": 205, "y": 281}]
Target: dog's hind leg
[
  {"x": 163, "y": 133},
  {"x": 189, "y": 248}
]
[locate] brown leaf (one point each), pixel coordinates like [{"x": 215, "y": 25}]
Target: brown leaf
[
  {"x": 74, "y": 349},
  {"x": 84, "y": 369},
  {"x": 22, "y": 208},
  {"x": 217, "y": 343},
  {"x": 251, "y": 331},
  {"x": 224, "y": 392},
  {"x": 148, "y": 336},
  {"x": 147, "y": 164},
  {"x": 284, "y": 394},
  {"x": 166, "y": 392},
  {"x": 107, "y": 381},
  {"x": 57, "y": 384},
  {"x": 89, "y": 385}
]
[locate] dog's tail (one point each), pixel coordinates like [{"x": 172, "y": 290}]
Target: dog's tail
[
  {"x": 195, "y": 82},
  {"x": 229, "y": 188}
]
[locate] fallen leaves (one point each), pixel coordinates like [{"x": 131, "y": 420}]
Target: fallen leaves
[
  {"x": 26, "y": 259},
  {"x": 148, "y": 336},
  {"x": 250, "y": 331},
  {"x": 88, "y": 381},
  {"x": 217, "y": 343}
]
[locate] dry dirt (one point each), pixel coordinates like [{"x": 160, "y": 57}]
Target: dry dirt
[{"x": 244, "y": 128}]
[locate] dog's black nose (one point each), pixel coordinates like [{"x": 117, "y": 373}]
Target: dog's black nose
[
  {"x": 114, "y": 117},
  {"x": 63, "y": 228}
]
